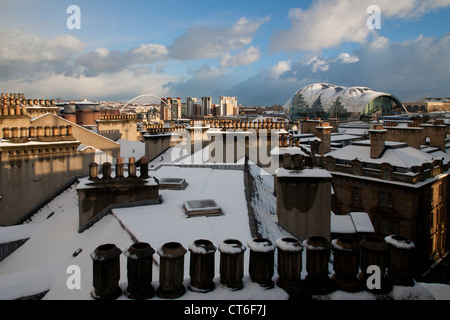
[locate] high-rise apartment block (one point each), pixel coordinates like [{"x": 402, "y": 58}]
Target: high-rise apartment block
[
  {"x": 175, "y": 108},
  {"x": 228, "y": 106},
  {"x": 190, "y": 106},
  {"x": 206, "y": 106}
]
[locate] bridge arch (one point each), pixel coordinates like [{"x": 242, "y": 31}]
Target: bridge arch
[{"x": 154, "y": 96}]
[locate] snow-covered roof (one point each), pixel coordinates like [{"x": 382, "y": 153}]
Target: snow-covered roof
[
  {"x": 306, "y": 173},
  {"x": 354, "y": 222},
  {"x": 41, "y": 263},
  {"x": 404, "y": 157}
]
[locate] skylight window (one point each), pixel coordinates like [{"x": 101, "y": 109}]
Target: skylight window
[
  {"x": 173, "y": 183},
  {"x": 205, "y": 207}
]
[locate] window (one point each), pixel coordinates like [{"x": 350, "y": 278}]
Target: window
[
  {"x": 385, "y": 226},
  {"x": 385, "y": 199},
  {"x": 386, "y": 174},
  {"x": 356, "y": 193}
]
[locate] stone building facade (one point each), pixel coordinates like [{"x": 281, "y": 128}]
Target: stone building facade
[
  {"x": 40, "y": 154},
  {"x": 403, "y": 189}
]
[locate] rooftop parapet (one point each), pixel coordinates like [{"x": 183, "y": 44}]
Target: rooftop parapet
[
  {"x": 37, "y": 134},
  {"x": 154, "y": 129},
  {"x": 18, "y": 99},
  {"x": 245, "y": 125},
  {"x": 123, "y": 117}
]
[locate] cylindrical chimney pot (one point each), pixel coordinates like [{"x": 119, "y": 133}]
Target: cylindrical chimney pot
[
  {"x": 261, "y": 265},
  {"x": 131, "y": 167},
  {"x": 106, "y": 170},
  {"x": 317, "y": 258},
  {"x": 171, "y": 270},
  {"x": 201, "y": 268},
  {"x": 401, "y": 260},
  {"x": 289, "y": 261},
  {"x": 31, "y": 132},
  {"x": 139, "y": 271},
  {"x": 144, "y": 167},
  {"x": 119, "y": 168},
  {"x": 47, "y": 131},
  {"x": 106, "y": 272},
  {"x": 6, "y": 133},
  {"x": 63, "y": 131},
  {"x": 93, "y": 171},
  {"x": 232, "y": 263},
  {"x": 15, "y": 132},
  {"x": 346, "y": 263},
  {"x": 24, "y": 132},
  {"x": 375, "y": 252},
  {"x": 39, "y": 131},
  {"x": 287, "y": 161},
  {"x": 55, "y": 131}
]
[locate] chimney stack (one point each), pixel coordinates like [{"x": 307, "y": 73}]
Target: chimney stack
[{"x": 377, "y": 140}]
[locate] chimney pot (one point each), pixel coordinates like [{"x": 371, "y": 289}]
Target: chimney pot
[
  {"x": 93, "y": 171},
  {"x": 15, "y": 132},
  {"x": 289, "y": 264},
  {"x": 39, "y": 131},
  {"x": 106, "y": 272},
  {"x": 232, "y": 263},
  {"x": 106, "y": 170},
  {"x": 171, "y": 270},
  {"x": 6, "y": 133},
  {"x": 131, "y": 167},
  {"x": 139, "y": 271},
  {"x": 202, "y": 265},
  {"x": 261, "y": 264}
]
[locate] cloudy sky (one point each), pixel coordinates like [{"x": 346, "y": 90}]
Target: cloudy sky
[{"x": 260, "y": 51}]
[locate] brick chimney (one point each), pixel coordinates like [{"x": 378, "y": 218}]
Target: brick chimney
[
  {"x": 377, "y": 139},
  {"x": 324, "y": 134},
  {"x": 303, "y": 198}
]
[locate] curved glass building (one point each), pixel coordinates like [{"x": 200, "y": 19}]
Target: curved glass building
[{"x": 327, "y": 100}]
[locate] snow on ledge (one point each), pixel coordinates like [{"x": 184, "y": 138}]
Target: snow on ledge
[
  {"x": 260, "y": 245},
  {"x": 399, "y": 242},
  {"x": 289, "y": 244}
]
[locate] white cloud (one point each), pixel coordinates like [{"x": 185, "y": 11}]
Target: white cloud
[
  {"x": 244, "y": 58},
  {"x": 280, "y": 68},
  {"x": 317, "y": 64},
  {"x": 410, "y": 70},
  {"x": 102, "y": 60},
  {"x": 150, "y": 52},
  {"x": 29, "y": 57},
  {"x": 204, "y": 42},
  {"x": 17, "y": 46},
  {"x": 347, "y": 58},
  {"x": 101, "y": 52},
  {"x": 123, "y": 86},
  {"x": 328, "y": 23}
]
